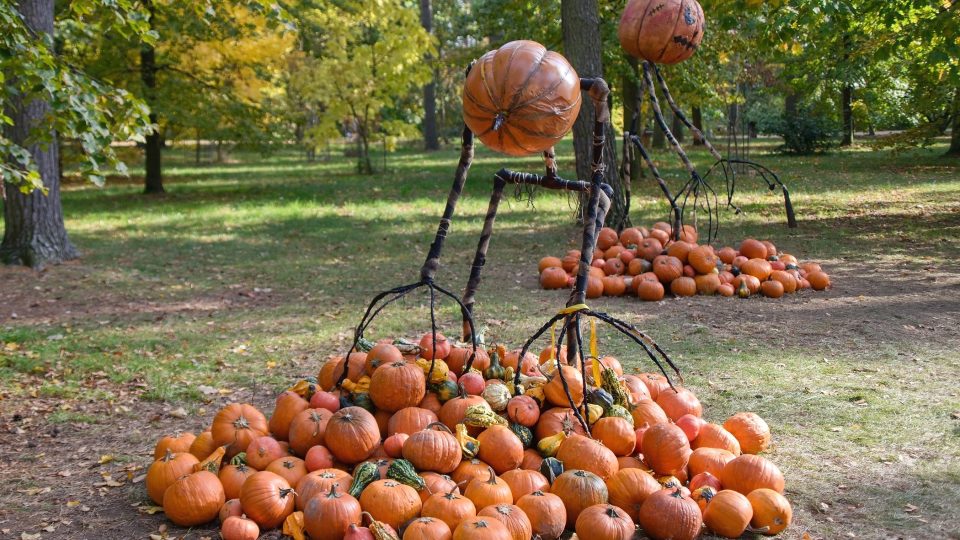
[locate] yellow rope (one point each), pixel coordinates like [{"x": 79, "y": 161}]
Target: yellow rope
[{"x": 573, "y": 309}]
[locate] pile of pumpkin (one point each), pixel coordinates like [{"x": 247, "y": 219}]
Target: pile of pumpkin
[
  {"x": 648, "y": 263},
  {"x": 412, "y": 447}
]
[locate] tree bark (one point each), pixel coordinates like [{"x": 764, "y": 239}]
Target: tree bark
[
  {"x": 630, "y": 82},
  {"x": 659, "y": 137},
  {"x": 580, "y": 23},
  {"x": 954, "y": 150},
  {"x": 34, "y": 233},
  {"x": 698, "y": 123},
  {"x": 430, "y": 139},
  {"x": 153, "y": 181},
  {"x": 847, "y": 104},
  {"x": 677, "y": 128}
]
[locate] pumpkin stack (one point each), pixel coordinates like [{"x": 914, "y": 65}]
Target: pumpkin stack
[
  {"x": 648, "y": 263},
  {"x": 414, "y": 445}
]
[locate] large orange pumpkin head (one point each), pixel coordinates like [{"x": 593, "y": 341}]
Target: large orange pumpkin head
[
  {"x": 521, "y": 99},
  {"x": 661, "y": 31}
]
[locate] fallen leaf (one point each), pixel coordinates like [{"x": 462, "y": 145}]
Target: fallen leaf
[
  {"x": 11, "y": 346},
  {"x": 293, "y": 526},
  {"x": 28, "y": 536},
  {"x": 179, "y": 412},
  {"x": 909, "y": 508},
  {"x": 206, "y": 390},
  {"x": 64, "y": 473},
  {"x": 836, "y": 429},
  {"x": 104, "y": 459},
  {"x": 138, "y": 479},
  {"x": 806, "y": 536},
  {"x": 73, "y": 504},
  {"x": 151, "y": 510},
  {"x": 271, "y": 364},
  {"x": 34, "y": 491}
]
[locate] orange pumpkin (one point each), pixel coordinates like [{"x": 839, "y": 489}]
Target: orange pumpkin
[
  {"x": 707, "y": 284},
  {"x": 263, "y": 451},
  {"x": 436, "y": 483},
  {"x": 678, "y": 402},
  {"x": 605, "y": 522},
  {"x": 332, "y": 370},
  {"x": 557, "y": 419},
  {"x": 752, "y": 283},
  {"x": 427, "y": 528},
  {"x": 468, "y": 470},
  {"x": 647, "y": 413},
  {"x": 750, "y": 430},
  {"x": 434, "y": 449},
  {"x": 786, "y": 279},
  {"x": 709, "y": 460},
  {"x": 666, "y": 449},
  {"x": 523, "y": 410},
  {"x": 318, "y": 483},
  {"x": 328, "y": 516},
  {"x": 628, "y": 488},
  {"x": 772, "y": 289},
  {"x": 309, "y": 429},
  {"x": 579, "y": 490},
  {"x": 194, "y": 499},
  {"x": 524, "y": 482},
  {"x": 595, "y": 286},
  {"x": 649, "y": 249},
  {"x": 553, "y": 278},
  {"x": 292, "y": 469},
  {"x": 667, "y": 268},
  {"x": 380, "y": 354},
  {"x": 397, "y": 385},
  {"x": 267, "y": 499},
  {"x": 616, "y": 434},
  {"x": 449, "y": 507},
  {"x": 203, "y": 445},
  {"x": 631, "y": 237},
  {"x": 758, "y": 268},
  {"x": 289, "y": 404},
  {"x": 683, "y": 286},
  {"x": 410, "y": 420},
  {"x": 614, "y": 285},
  {"x": 454, "y": 410},
  {"x": 229, "y": 509},
  {"x": 236, "y": 425},
  {"x": 500, "y": 448},
  {"x": 715, "y": 436},
  {"x": 728, "y": 514},
  {"x": 512, "y": 518},
  {"x": 650, "y": 291},
  {"x": 521, "y": 99},
  {"x": 177, "y": 444},
  {"x": 549, "y": 262},
  {"x": 748, "y": 472},
  {"x": 819, "y": 281},
  {"x": 554, "y": 391},
  {"x": 668, "y": 513},
  {"x": 702, "y": 259},
  {"x": 482, "y": 528},
  {"x": 771, "y": 511},
  {"x": 489, "y": 491},
  {"x": 391, "y": 502},
  {"x": 753, "y": 249},
  {"x": 546, "y": 513},
  {"x": 352, "y": 435},
  {"x": 163, "y": 472},
  {"x": 580, "y": 452},
  {"x": 727, "y": 254},
  {"x": 232, "y": 478},
  {"x": 663, "y": 32}
]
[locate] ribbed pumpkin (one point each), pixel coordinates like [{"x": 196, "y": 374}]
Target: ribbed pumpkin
[
  {"x": 397, "y": 385},
  {"x": 239, "y": 528},
  {"x": 531, "y": 460},
  {"x": 468, "y": 470},
  {"x": 702, "y": 259},
  {"x": 786, "y": 279},
  {"x": 714, "y": 436},
  {"x": 267, "y": 499},
  {"x": 391, "y": 502},
  {"x": 512, "y": 517},
  {"x": 163, "y": 472},
  {"x": 433, "y": 449},
  {"x": 728, "y": 514},
  {"x": 772, "y": 289},
  {"x": 683, "y": 286},
  {"x": 758, "y": 268},
  {"x": 668, "y": 514},
  {"x": 650, "y": 291},
  {"x": 771, "y": 510},
  {"x": 309, "y": 429},
  {"x": 707, "y": 284},
  {"x": 554, "y": 392},
  {"x": 579, "y": 490},
  {"x": 704, "y": 479},
  {"x": 546, "y": 512},
  {"x": 521, "y": 99},
  {"x": 678, "y": 402},
  {"x": 410, "y": 420},
  {"x": 232, "y": 478},
  {"x": 332, "y": 370},
  {"x": 751, "y": 431},
  {"x": 488, "y": 491},
  {"x": 666, "y": 449},
  {"x": 557, "y": 419},
  {"x": 352, "y": 435},
  {"x": 748, "y": 472},
  {"x": 203, "y": 445},
  {"x": 236, "y": 425},
  {"x": 632, "y": 462},
  {"x": 482, "y": 528},
  {"x": 318, "y": 483},
  {"x": 454, "y": 410},
  {"x": 328, "y": 516},
  {"x": 500, "y": 448},
  {"x": 614, "y": 285},
  {"x": 436, "y": 483},
  {"x": 710, "y": 460},
  {"x": 450, "y": 507},
  {"x": 178, "y": 443},
  {"x": 580, "y": 452},
  {"x": 523, "y": 410},
  {"x": 647, "y": 413},
  {"x": 380, "y": 354},
  {"x": 194, "y": 499},
  {"x": 628, "y": 488},
  {"x": 288, "y": 405},
  {"x": 230, "y": 508},
  {"x": 262, "y": 451},
  {"x": 524, "y": 482},
  {"x": 819, "y": 281},
  {"x": 605, "y": 522},
  {"x": 427, "y": 528},
  {"x": 667, "y": 268},
  {"x": 292, "y": 469},
  {"x": 458, "y": 357},
  {"x": 553, "y": 278}
]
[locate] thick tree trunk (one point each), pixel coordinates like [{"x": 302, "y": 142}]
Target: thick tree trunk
[
  {"x": 153, "y": 181},
  {"x": 630, "y": 91},
  {"x": 34, "y": 233},
  {"x": 846, "y": 99},
  {"x": 659, "y": 137},
  {"x": 430, "y": 139},
  {"x": 677, "y": 128},
  {"x": 582, "y": 46},
  {"x": 697, "y": 123},
  {"x": 954, "y": 150}
]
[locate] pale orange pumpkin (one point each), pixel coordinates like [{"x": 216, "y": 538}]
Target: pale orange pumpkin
[
  {"x": 579, "y": 490},
  {"x": 751, "y": 431},
  {"x": 748, "y": 472},
  {"x": 628, "y": 488}
]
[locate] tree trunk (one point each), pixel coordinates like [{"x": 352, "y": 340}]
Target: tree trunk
[
  {"x": 677, "y": 128},
  {"x": 153, "y": 181},
  {"x": 34, "y": 233},
  {"x": 954, "y": 150},
  {"x": 847, "y": 104},
  {"x": 582, "y": 46},
  {"x": 430, "y": 139},
  {"x": 197, "y": 148},
  {"x": 697, "y": 123},
  {"x": 630, "y": 82}
]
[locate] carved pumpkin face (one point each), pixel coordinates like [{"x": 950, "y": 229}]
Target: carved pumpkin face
[
  {"x": 521, "y": 99},
  {"x": 661, "y": 31}
]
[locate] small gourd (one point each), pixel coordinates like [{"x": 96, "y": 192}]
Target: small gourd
[
  {"x": 496, "y": 369},
  {"x": 446, "y": 390},
  {"x": 523, "y": 433},
  {"x": 363, "y": 475},
  {"x": 440, "y": 370},
  {"x": 403, "y": 471},
  {"x": 548, "y": 446},
  {"x": 363, "y": 401},
  {"x": 620, "y": 412},
  {"x": 600, "y": 397},
  {"x": 612, "y": 383},
  {"x": 482, "y": 415},
  {"x": 468, "y": 444},
  {"x": 743, "y": 291},
  {"x": 551, "y": 468},
  {"x": 594, "y": 413},
  {"x": 497, "y": 395}
]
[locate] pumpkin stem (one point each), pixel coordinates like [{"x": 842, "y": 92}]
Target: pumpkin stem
[
  {"x": 481, "y": 524},
  {"x": 612, "y": 512},
  {"x": 333, "y": 491},
  {"x": 493, "y": 476},
  {"x": 241, "y": 423},
  {"x": 498, "y": 121},
  {"x": 239, "y": 459},
  {"x": 441, "y": 425},
  {"x": 168, "y": 456}
]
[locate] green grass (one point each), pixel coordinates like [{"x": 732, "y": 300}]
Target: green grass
[{"x": 247, "y": 274}]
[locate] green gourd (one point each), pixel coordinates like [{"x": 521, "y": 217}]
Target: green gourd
[
  {"x": 551, "y": 468},
  {"x": 496, "y": 369},
  {"x": 363, "y": 475},
  {"x": 403, "y": 471},
  {"x": 523, "y": 433}
]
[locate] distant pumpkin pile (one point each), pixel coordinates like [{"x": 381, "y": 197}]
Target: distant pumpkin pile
[
  {"x": 648, "y": 263},
  {"x": 400, "y": 451}
]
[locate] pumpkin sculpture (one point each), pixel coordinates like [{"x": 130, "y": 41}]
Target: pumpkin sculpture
[
  {"x": 661, "y": 31},
  {"x": 605, "y": 522},
  {"x": 521, "y": 99}
]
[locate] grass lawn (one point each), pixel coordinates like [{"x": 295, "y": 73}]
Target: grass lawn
[{"x": 249, "y": 274}]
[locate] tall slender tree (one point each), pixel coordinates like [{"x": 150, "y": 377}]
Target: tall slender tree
[{"x": 431, "y": 141}]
